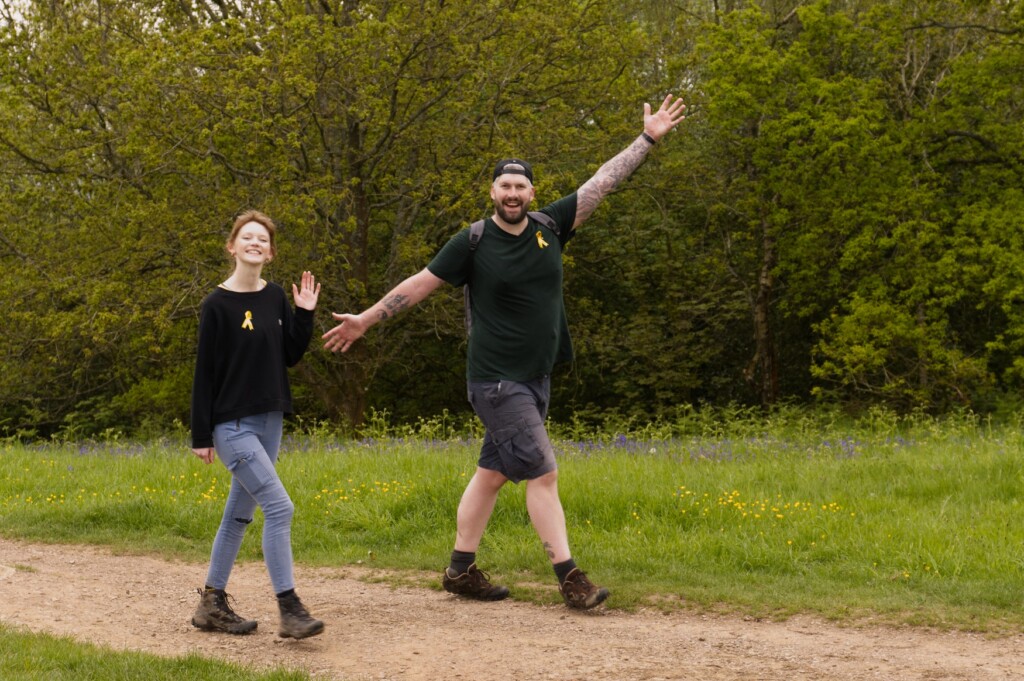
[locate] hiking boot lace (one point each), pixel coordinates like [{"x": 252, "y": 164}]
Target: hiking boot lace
[
  {"x": 473, "y": 583},
  {"x": 215, "y": 612},
  {"x": 579, "y": 592}
]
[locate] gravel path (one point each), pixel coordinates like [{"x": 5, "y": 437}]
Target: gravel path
[{"x": 377, "y": 631}]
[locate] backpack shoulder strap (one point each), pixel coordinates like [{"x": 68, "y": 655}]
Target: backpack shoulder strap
[
  {"x": 476, "y": 230},
  {"x": 546, "y": 220}
]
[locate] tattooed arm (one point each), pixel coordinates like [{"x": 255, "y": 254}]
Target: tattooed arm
[
  {"x": 608, "y": 176},
  {"x": 405, "y": 295}
]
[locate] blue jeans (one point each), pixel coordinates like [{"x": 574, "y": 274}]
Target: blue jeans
[{"x": 248, "y": 448}]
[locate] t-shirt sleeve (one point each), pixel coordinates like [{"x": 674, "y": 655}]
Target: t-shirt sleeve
[{"x": 452, "y": 263}]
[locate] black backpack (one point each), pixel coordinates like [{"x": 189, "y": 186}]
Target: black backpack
[{"x": 476, "y": 230}]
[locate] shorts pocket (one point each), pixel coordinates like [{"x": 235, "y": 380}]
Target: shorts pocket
[{"x": 518, "y": 448}]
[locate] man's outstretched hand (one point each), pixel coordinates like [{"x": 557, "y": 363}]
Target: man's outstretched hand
[
  {"x": 342, "y": 336},
  {"x": 668, "y": 116}
]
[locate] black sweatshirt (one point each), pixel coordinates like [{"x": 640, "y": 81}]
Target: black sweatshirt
[{"x": 246, "y": 343}]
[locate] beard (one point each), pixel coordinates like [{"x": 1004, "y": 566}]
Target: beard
[{"x": 510, "y": 214}]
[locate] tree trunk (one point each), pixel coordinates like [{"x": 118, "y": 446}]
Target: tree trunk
[{"x": 762, "y": 372}]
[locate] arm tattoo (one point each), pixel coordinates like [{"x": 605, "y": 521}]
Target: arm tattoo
[
  {"x": 608, "y": 177},
  {"x": 393, "y": 305},
  {"x": 549, "y": 550}
]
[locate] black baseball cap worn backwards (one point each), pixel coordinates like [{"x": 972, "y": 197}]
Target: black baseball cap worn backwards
[{"x": 513, "y": 166}]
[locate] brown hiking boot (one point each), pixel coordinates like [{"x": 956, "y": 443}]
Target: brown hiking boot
[
  {"x": 473, "y": 583},
  {"x": 579, "y": 592},
  {"x": 214, "y": 614},
  {"x": 296, "y": 622}
]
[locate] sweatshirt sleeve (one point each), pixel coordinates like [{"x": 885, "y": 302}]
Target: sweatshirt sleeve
[
  {"x": 298, "y": 331},
  {"x": 203, "y": 381}
]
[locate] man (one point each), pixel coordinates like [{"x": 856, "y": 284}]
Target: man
[{"x": 519, "y": 332}]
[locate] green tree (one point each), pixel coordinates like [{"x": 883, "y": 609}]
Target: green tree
[
  {"x": 922, "y": 318},
  {"x": 820, "y": 138},
  {"x": 95, "y": 260},
  {"x": 787, "y": 113},
  {"x": 135, "y": 130}
]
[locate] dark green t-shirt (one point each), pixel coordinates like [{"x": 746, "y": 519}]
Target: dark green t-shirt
[{"x": 519, "y": 326}]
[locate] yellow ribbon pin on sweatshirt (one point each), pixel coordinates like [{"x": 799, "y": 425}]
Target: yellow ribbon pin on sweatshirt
[
  {"x": 540, "y": 240},
  {"x": 247, "y": 324}
]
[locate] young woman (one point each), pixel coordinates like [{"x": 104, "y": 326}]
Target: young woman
[{"x": 248, "y": 337}]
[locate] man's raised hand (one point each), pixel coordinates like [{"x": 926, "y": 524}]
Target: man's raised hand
[{"x": 668, "y": 116}]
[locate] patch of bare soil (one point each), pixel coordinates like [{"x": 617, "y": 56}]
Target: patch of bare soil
[{"x": 377, "y": 631}]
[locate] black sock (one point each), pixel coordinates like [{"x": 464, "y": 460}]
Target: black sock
[
  {"x": 285, "y": 594},
  {"x": 461, "y": 560},
  {"x": 563, "y": 569}
]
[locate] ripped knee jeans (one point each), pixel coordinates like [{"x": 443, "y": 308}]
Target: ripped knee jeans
[{"x": 248, "y": 448}]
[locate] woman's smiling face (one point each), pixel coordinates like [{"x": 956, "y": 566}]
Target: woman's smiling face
[{"x": 252, "y": 245}]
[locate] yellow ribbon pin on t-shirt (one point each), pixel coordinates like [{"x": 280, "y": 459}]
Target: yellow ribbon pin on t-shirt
[
  {"x": 247, "y": 324},
  {"x": 540, "y": 240}
]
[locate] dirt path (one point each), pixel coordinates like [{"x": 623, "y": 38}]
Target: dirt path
[{"x": 375, "y": 631}]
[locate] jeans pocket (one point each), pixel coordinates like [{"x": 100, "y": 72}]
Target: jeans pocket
[{"x": 251, "y": 472}]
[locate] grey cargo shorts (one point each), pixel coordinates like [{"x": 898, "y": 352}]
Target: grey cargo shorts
[{"x": 516, "y": 443}]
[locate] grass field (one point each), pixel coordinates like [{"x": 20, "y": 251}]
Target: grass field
[
  {"x": 907, "y": 520},
  {"x": 31, "y": 657}
]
